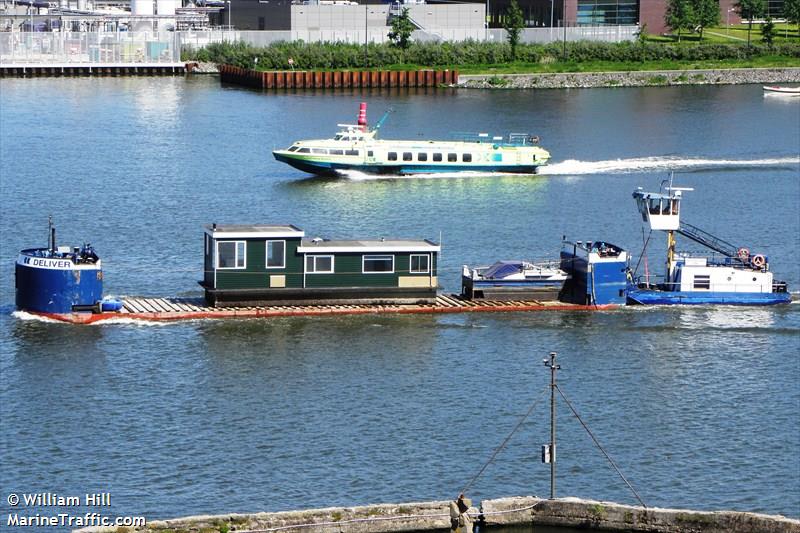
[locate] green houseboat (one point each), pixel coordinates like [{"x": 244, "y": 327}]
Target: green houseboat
[{"x": 251, "y": 265}]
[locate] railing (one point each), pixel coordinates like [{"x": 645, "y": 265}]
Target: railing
[{"x": 89, "y": 48}]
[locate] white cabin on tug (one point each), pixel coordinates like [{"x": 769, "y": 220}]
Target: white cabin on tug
[{"x": 734, "y": 276}]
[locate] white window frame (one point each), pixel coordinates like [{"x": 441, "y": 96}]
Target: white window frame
[
  {"x": 235, "y": 255},
  {"x": 266, "y": 254},
  {"x": 315, "y": 271},
  {"x": 426, "y": 271},
  {"x": 373, "y": 257}
]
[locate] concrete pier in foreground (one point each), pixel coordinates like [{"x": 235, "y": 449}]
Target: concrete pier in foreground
[{"x": 516, "y": 511}]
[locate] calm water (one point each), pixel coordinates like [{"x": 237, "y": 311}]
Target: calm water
[{"x": 698, "y": 407}]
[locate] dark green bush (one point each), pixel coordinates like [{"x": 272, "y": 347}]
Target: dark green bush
[{"x": 447, "y": 54}]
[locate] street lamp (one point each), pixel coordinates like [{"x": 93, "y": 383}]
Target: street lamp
[
  {"x": 229, "y": 13},
  {"x": 551, "y": 20},
  {"x": 728, "y": 22}
]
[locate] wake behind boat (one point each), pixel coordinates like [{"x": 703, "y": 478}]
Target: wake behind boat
[{"x": 356, "y": 147}]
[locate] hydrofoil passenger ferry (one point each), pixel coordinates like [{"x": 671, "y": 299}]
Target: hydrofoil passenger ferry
[{"x": 356, "y": 147}]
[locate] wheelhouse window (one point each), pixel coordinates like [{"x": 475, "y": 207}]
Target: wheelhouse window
[
  {"x": 407, "y": 156},
  {"x": 422, "y": 156},
  {"x": 702, "y": 282},
  {"x": 420, "y": 264},
  {"x": 466, "y": 158},
  {"x": 276, "y": 254},
  {"x": 319, "y": 264},
  {"x": 452, "y": 158},
  {"x": 378, "y": 264},
  {"x": 294, "y": 148},
  {"x": 437, "y": 157},
  {"x": 392, "y": 156},
  {"x": 231, "y": 254}
]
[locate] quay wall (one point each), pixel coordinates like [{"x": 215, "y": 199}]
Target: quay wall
[
  {"x": 515, "y": 511},
  {"x": 315, "y": 79},
  {"x": 647, "y": 78}
]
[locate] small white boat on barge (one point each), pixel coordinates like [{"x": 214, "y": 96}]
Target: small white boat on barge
[
  {"x": 513, "y": 280},
  {"x": 356, "y": 147}
]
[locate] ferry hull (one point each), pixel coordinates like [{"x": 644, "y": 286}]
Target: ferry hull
[
  {"x": 654, "y": 297},
  {"x": 326, "y": 168}
]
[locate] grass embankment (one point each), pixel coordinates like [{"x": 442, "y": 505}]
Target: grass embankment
[{"x": 495, "y": 58}]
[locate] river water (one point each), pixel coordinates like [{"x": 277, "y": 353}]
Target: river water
[{"x": 698, "y": 407}]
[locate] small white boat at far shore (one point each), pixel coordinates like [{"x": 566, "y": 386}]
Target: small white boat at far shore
[{"x": 770, "y": 89}]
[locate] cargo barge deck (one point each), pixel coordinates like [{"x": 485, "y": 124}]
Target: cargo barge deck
[{"x": 177, "y": 309}]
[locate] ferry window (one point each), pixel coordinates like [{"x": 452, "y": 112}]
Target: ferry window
[
  {"x": 437, "y": 157},
  {"x": 378, "y": 264},
  {"x": 407, "y": 156},
  {"x": 276, "y": 254},
  {"x": 303, "y": 151},
  {"x": 466, "y": 158},
  {"x": 319, "y": 151},
  {"x": 351, "y": 152},
  {"x": 319, "y": 264},
  {"x": 702, "y": 282},
  {"x": 207, "y": 243},
  {"x": 392, "y": 156},
  {"x": 452, "y": 157},
  {"x": 231, "y": 254},
  {"x": 337, "y": 138},
  {"x": 422, "y": 156},
  {"x": 337, "y": 152},
  {"x": 293, "y": 148},
  {"x": 370, "y": 153},
  {"x": 420, "y": 264}
]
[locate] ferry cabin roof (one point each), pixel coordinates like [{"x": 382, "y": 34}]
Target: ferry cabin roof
[{"x": 276, "y": 265}]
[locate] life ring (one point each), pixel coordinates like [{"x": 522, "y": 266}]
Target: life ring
[
  {"x": 743, "y": 253},
  {"x": 759, "y": 261}
]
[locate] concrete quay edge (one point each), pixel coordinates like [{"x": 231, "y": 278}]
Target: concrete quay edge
[{"x": 434, "y": 516}]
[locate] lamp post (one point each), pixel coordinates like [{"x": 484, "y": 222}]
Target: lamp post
[
  {"x": 229, "y": 13},
  {"x": 366, "y": 33},
  {"x": 728, "y": 22}
]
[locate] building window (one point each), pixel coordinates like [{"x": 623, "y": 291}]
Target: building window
[
  {"x": 378, "y": 264},
  {"x": 319, "y": 264},
  {"x": 466, "y": 158},
  {"x": 614, "y": 12},
  {"x": 420, "y": 264},
  {"x": 262, "y": 23},
  {"x": 392, "y": 156},
  {"x": 702, "y": 282},
  {"x": 452, "y": 158},
  {"x": 231, "y": 254},
  {"x": 437, "y": 157},
  {"x": 407, "y": 156},
  {"x": 276, "y": 254}
]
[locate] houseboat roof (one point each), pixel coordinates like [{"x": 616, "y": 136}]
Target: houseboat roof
[
  {"x": 253, "y": 231},
  {"x": 360, "y": 246}
]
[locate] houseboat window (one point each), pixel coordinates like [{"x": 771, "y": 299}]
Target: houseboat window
[
  {"x": 337, "y": 152},
  {"x": 276, "y": 254},
  {"x": 452, "y": 157},
  {"x": 303, "y": 151},
  {"x": 319, "y": 264},
  {"x": 437, "y": 157},
  {"x": 392, "y": 156},
  {"x": 420, "y": 264},
  {"x": 378, "y": 264},
  {"x": 231, "y": 254},
  {"x": 466, "y": 158},
  {"x": 702, "y": 282},
  {"x": 407, "y": 156},
  {"x": 319, "y": 151},
  {"x": 370, "y": 153},
  {"x": 351, "y": 152},
  {"x": 422, "y": 156}
]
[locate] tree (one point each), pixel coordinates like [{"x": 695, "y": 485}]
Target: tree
[
  {"x": 768, "y": 32},
  {"x": 791, "y": 10},
  {"x": 706, "y": 14},
  {"x": 750, "y": 9},
  {"x": 513, "y": 24},
  {"x": 402, "y": 28},
  {"x": 679, "y": 15}
]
